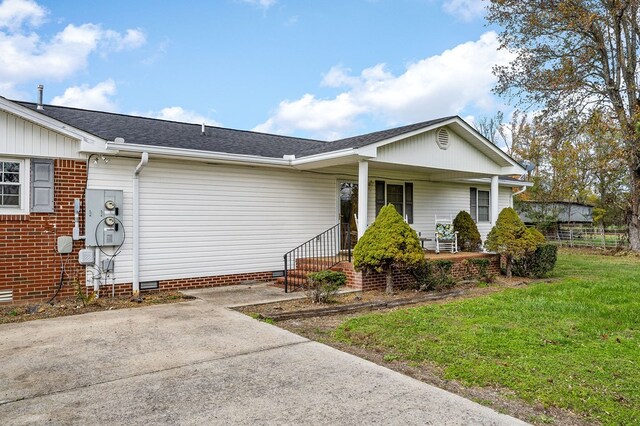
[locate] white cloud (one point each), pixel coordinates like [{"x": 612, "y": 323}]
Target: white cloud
[
  {"x": 15, "y": 13},
  {"x": 25, "y": 56},
  {"x": 132, "y": 39},
  {"x": 96, "y": 97},
  {"x": 466, "y": 10},
  {"x": 176, "y": 113},
  {"x": 264, "y": 4},
  {"x": 436, "y": 86}
]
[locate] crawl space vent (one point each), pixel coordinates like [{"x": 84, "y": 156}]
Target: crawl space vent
[
  {"x": 149, "y": 285},
  {"x": 6, "y": 295},
  {"x": 442, "y": 137}
]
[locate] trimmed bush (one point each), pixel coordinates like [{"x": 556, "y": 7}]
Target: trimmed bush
[
  {"x": 432, "y": 275},
  {"x": 536, "y": 264},
  {"x": 388, "y": 244},
  {"x": 323, "y": 285},
  {"x": 537, "y": 236},
  {"x": 511, "y": 238},
  {"x": 468, "y": 235}
]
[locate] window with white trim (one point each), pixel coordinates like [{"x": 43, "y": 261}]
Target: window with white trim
[
  {"x": 400, "y": 195},
  {"x": 16, "y": 184},
  {"x": 479, "y": 205},
  {"x": 10, "y": 184}
]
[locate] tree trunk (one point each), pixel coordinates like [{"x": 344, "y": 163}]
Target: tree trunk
[
  {"x": 509, "y": 261},
  {"x": 634, "y": 213},
  {"x": 390, "y": 281}
]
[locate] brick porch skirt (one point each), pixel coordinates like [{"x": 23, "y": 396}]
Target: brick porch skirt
[{"x": 459, "y": 270}]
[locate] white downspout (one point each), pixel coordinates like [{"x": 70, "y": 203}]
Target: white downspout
[
  {"x": 524, "y": 188},
  {"x": 136, "y": 223}
]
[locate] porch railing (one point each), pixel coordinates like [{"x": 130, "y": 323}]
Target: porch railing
[{"x": 321, "y": 252}]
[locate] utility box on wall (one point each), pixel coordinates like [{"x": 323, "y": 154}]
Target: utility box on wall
[{"x": 103, "y": 219}]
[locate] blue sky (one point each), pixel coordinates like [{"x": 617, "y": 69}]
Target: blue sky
[{"x": 322, "y": 69}]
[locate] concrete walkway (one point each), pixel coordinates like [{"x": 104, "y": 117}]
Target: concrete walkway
[{"x": 201, "y": 363}]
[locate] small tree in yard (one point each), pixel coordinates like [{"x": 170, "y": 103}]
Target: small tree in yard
[
  {"x": 388, "y": 244},
  {"x": 511, "y": 238},
  {"x": 468, "y": 235}
]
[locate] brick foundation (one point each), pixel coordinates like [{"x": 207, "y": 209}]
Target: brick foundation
[
  {"x": 190, "y": 283},
  {"x": 461, "y": 269},
  {"x": 29, "y": 262}
]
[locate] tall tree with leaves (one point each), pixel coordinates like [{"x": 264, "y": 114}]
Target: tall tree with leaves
[{"x": 577, "y": 53}]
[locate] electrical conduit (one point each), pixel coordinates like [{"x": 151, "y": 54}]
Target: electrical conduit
[{"x": 136, "y": 223}]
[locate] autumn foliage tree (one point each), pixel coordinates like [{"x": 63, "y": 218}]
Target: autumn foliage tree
[
  {"x": 388, "y": 244},
  {"x": 582, "y": 55}
]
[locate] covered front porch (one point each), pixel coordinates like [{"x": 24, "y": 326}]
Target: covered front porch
[{"x": 463, "y": 265}]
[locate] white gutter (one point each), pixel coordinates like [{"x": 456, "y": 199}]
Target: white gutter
[
  {"x": 197, "y": 154},
  {"x": 136, "y": 223},
  {"x": 286, "y": 161}
]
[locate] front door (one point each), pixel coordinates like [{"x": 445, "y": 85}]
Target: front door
[{"x": 348, "y": 193}]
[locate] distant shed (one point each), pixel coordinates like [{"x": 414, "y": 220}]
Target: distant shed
[{"x": 563, "y": 212}]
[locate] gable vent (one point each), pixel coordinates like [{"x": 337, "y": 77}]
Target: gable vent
[{"x": 442, "y": 137}]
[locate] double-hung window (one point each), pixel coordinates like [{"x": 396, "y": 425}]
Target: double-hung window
[
  {"x": 26, "y": 186},
  {"x": 479, "y": 205},
  {"x": 11, "y": 184},
  {"x": 400, "y": 195}
]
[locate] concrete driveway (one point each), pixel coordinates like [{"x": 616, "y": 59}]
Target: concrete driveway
[{"x": 201, "y": 363}]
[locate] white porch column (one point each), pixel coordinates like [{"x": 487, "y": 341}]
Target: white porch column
[
  {"x": 494, "y": 199},
  {"x": 363, "y": 196}
]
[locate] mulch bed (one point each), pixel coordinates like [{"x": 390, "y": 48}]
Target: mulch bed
[{"x": 66, "y": 307}]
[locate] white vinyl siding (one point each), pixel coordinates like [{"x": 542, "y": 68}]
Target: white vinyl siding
[
  {"x": 20, "y": 137},
  {"x": 204, "y": 220},
  {"x": 431, "y": 199},
  {"x": 423, "y": 151}
]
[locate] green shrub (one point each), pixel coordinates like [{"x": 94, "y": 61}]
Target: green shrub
[
  {"x": 432, "y": 275},
  {"x": 388, "y": 244},
  {"x": 468, "y": 235},
  {"x": 511, "y": 238},
  {"x": 477, "y": 268},
  {"x": 323, "y": 285},
  {"x": 538, "y": 263},
  {"x": 537, "y": 236}
]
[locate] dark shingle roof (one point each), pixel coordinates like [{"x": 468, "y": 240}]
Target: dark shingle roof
[
  {"x": 163, "y": 133},
  {"x": 370, "y": 138}
]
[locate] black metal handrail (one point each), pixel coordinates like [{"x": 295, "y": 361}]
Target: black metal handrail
[{"x": 323, "y": 251}]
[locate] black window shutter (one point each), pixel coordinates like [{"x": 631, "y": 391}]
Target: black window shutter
[
  {"x": 380, "y": 197},
  {"x": 408, "y": 201},
  {"x": 41, "y": 185},
  {"x": 473, "y": 205}
]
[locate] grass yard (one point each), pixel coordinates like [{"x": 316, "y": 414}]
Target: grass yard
[{"x": 573, "y": 344}]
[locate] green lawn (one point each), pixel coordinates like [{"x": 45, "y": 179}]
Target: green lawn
[{"x": 573, "y": 344}]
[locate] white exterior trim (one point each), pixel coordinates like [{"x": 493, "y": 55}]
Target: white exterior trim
[{"x": 25, "y": 187}]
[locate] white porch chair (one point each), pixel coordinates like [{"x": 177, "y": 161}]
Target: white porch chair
[{"x": 446, "y": 237}]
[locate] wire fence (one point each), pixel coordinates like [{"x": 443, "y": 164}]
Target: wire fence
[{"x": 607, "y": 238}]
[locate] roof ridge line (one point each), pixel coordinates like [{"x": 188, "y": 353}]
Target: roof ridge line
[{"x": 170, "y": 121}]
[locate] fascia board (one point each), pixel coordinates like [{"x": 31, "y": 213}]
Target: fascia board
[
  {"x": 46, "y": 121},
  {"x": 198, "y": 155},
  {"x": 501, "y": 182},
  {"x": 333, "y": 155}
]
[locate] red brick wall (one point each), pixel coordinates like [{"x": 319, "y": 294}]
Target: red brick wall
[
  {"x": 29, "y": 262},
  {"x": 189, "y": 283},
  {"x": 459, "y": 271}
]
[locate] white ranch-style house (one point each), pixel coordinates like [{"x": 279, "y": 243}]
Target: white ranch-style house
[{"x": 203, "y": 205}]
